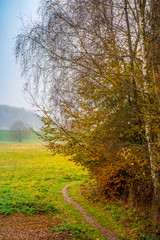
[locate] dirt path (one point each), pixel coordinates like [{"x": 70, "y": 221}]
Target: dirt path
[{"x": 106, "y": 232}]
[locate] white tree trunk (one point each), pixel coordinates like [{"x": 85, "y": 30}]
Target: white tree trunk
[{"x": 147, "y": 114}]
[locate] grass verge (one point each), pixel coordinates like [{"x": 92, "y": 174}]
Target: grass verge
[{"x": 127, "y": 224}]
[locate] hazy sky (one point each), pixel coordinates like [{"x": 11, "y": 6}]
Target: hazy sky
[{"x": 11, "y": 83}]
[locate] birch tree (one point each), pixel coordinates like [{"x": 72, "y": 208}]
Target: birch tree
[{"x": 148, "y": 113}]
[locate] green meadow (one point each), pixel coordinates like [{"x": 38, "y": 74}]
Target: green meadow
[
  {"x": 31, "y": 182},
  {"x": 5, "y": 137}
]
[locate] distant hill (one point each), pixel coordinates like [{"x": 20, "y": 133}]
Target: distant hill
[{"x": 10, "y": 114}]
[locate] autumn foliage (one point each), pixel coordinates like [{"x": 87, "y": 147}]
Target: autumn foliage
[{"x": 96, "y": 62}]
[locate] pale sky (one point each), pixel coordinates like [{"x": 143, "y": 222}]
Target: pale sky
[{"x": 11, "y": 82}]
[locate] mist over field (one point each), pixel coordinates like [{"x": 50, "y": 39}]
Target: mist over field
[{"x": 9, "y": 114}]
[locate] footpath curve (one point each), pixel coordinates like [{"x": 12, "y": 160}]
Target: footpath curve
[{"x": 106, "y": 232}]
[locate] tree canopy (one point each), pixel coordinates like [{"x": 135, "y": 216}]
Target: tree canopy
[
  {"x": 19, "y": 130},
  {"x": 93, "y": 72}
]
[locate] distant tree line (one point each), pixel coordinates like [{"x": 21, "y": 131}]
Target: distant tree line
[{"x": 93, "y": 71}]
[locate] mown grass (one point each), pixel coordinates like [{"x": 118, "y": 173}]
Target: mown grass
[
  {"x": 31, "y": 182},
  {"x": 5, "y": 137},
  {"x": 126, "y": 223}
]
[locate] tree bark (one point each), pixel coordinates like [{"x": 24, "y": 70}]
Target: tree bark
[{"x": 147, "y": 114}]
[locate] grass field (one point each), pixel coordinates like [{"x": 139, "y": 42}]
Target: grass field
[
  {"x": 31, "y": 181},
  {"x": 5, "y": 137}
]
